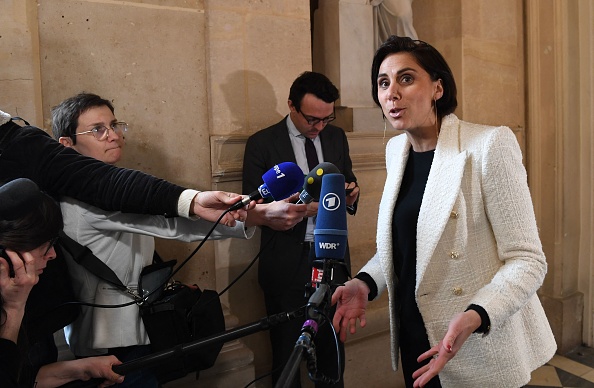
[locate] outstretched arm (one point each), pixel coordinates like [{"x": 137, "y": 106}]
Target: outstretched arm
[
  {"x": 209, "y": 205},
  {"x": 352, "y": 302},
  {"x": 62, "y": 372}
]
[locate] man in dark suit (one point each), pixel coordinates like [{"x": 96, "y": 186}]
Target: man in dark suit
[{"x": 285, "y": 260}]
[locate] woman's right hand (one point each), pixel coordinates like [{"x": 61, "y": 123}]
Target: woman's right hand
[
  {"x": 84, "y": 369},
  {"x": 15, "y": 290},
  {"x": 352, "y": 301}
]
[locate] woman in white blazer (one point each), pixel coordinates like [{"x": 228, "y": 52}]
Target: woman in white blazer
[{"x": 457, "y": 244}]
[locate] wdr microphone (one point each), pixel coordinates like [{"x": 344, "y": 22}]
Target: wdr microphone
[
  {"x": 280, "y": 182},
  {"x": 313, "y": 182},
  {"x": 330, "y": 233}
]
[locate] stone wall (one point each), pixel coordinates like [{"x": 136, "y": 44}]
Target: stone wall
[{"x": 194, "y": 78}]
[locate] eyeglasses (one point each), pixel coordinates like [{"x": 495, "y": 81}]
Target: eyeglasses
[
  {"x": 314, "y": 120},
  {"x": 101, "y": 132},
  {"x": 52, "y": 242}
]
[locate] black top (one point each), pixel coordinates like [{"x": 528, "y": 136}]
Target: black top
[
  {"x": 413, "y": 335},
  {"x": 9, "y": 361}
]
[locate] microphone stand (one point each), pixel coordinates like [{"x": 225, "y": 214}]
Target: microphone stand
[
  {"x": 180, "y": 350},
  {"x": 317, "y": 308}
]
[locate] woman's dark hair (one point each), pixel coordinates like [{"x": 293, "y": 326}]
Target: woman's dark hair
[
  {"x": 28, "y": 219},
  {"x": 33, "y": 219},
  {"x": 429, "y": 59},
  {"x": 65, "y": 115}
]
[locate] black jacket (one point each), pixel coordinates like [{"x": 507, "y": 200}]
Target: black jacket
[{"x": 263, "y": 150}]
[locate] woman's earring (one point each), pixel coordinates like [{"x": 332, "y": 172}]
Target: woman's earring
[
  {"x": 436, "y": 117},
  {"x": 384, "y": 138}
]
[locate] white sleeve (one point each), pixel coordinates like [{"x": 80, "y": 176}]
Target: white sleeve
[{"x": 176, "y": 228}]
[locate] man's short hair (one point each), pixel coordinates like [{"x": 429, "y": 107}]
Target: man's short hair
[
  {"x": 65, "y": 115},
  {"x": 314, "y": 83}
]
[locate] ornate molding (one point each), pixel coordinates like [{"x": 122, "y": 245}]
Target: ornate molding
[{"x": 366, "y": 149}]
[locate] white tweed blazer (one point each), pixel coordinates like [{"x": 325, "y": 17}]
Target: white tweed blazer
[{"x": 477, "y": 243}]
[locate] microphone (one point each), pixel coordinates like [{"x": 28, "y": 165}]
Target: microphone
[
  {"x": 330, "y": 233},
  {"x": 313, "y": 182},
  {"x": 280, "y": 182}
]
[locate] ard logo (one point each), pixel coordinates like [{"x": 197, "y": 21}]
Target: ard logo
[{"x": 331, "y": 201}]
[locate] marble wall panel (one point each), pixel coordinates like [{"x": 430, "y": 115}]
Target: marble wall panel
[
  {"x": 19, "y": 61},
  {"x": 149, "y": 62},
  {"x": 250, "y": 74}
]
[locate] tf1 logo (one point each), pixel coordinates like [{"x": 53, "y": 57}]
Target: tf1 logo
[{"x": 279, "y": 173}]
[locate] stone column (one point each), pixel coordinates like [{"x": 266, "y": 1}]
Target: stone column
[
  {"x": 343, "y": 51},
  {"x": 560, "y": 145}
]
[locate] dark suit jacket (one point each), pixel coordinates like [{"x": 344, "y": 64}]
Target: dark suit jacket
[{"x": 263, "y": 150}]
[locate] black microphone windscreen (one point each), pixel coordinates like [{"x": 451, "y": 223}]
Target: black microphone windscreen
[{"x": 313, "y": 181}]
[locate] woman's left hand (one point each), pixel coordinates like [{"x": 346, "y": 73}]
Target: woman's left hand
[
  {"x": 351, "y": 198},
  {"x": 459, "y": 329}
]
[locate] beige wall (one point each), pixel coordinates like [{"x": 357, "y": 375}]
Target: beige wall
[{"x": 195, "y": 78}]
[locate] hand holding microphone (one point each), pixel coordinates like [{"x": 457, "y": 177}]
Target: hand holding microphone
[
  {"x": 312, "y": 184},
  {"x": 280, "y": 182}
]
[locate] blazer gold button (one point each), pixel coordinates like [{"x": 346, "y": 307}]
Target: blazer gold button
[
  {"x": 457, "y": 291},
  {"x": 454, "y": 255},
  {"x": 454, "y": 214}
]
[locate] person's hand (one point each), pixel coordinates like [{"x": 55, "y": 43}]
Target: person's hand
[
  {"x": 352, "y": 301},
  {"x": 15, "y": 291},
  {"x": 459, "y": 329},
  {"x": 62, "y": 372},
  {"x": 352, "y": 197},
  {"x": 277, "y": 215},
  {"x": 312, "y": 209},
  {"x": 209, "y": 205},
  {"x": 101, "y": 367}
]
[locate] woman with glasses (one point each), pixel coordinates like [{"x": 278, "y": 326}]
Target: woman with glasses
[
  {"x": 457, "y": 243},
  {"x": 123, "y": 241},
  {"x": 29, "y": 225}
]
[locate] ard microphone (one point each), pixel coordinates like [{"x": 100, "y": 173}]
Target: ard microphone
[
  {"x": 280, "y": 182},
  {"x": 330, "y": 233},
  {"x": 313, "y": 182}
]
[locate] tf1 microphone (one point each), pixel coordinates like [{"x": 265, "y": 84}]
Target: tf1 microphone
[
  {"x": 280, "y": 182},
  {"x": 313, "y": 182},
  {"x": 330, "y": 233}
]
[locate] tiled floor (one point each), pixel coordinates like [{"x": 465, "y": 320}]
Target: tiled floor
[{"x": 574, "y": 370}]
